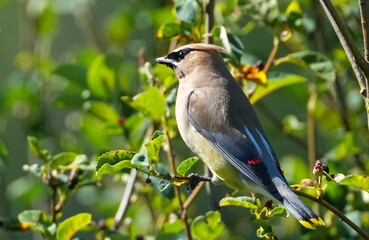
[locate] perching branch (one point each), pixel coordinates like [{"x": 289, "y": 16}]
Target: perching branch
[
  {"x": 335, "y": 211},
  {"x": 183, "y": 213},
  {"x": 364, "y": 12}
]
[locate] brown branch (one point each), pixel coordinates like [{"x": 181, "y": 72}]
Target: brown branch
[
  {"x": 357, "y": 61},
  {"x": 193, "y": 195},
  {"x": 272, "y": 54},
  {"x": 209, "y": 20},
  {"x": 335, "y": 211},
  {"x": 311, "y": 126},
  {"x": 182, "y": 210},
  {"x": 118, "y": 218},
  {"x": 364, "y": 12}
]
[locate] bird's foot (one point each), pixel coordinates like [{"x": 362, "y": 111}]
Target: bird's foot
[{"x": 195, "y": 179}]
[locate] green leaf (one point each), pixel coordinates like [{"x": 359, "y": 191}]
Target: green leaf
[
  {"x": 75, "y": 73},
  {"x": 113, "y": 162},
  {"x": 140, "y": 160},
  {"x": 62, "y": 159},
  {"x": 163, "y": 184},
  {"x": 186, "y": 165},
  {"x": 319, "y": 64},
  {"x": 173, "y": 228},
  {"x": 72, "y": 225},
  {"x": 208, "y": 227},
  {"x": 37, "y": 150},
  {"x": 101, "y": 78},
  {"x": 276, "y": 80},
  {"x": 168, "y": 191},
  {"x": 169, "y": 30},
  {"x": 153, "y": 147},
  {"x": 3, "y": 152},
  {"x": 354, "y": 180},
  {"x": 186, "y": 10},
  {"x": 246, "y": 202},
  {"x": 36, "y": 219},
  {"x": 150, "y": 103},
  {"x": 278, "y": 211}
]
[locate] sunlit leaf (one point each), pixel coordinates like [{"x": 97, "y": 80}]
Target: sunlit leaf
[
  {"x": 276, "y": 80},
  {"x": 278, "y": 211},
  {"x": 169, "y": 30},
  {"x": 114, "y": 162},
  {"x": 153, "y": 147},
  {"x": 172, "y": 228},
  {"x": 150, "y": 103},
  {"x": 37, "y": 150},
  {"x": 186, "y": 10},
  {"x": 208, "y": 227},
  {"x": 140, "y": 160},
  {"x": 246, "y": 202},
  {"x": 354, "y": 180},
  {"x": 72, "y": 225},
  {"x": 319, "y": 64},
  {"x": 163, "y": 184},
  {"x": 36, "y": 219},
  {"x": 186, "y": 165}
]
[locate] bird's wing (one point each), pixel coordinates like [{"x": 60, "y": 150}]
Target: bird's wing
[{"x": 241, "y": 140}]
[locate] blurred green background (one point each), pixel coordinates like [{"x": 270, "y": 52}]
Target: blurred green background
[{"x": 50, "y": 52}]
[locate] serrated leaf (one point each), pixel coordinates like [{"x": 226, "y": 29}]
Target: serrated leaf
[
  {"x": 319, "y": 64},
  {"x": 153, "y": 147},
  {"x": 186, "y": 10},
  {"x": 163, "y": 184},
  {"x": 276, "y": 80},
  {"x": 113, "y": 162},
  {"x": 72, "y": 225},
  {"x": 246, "y": 202},
  {"x": 208, "y": 227},
  {"x": 140, "y": 160},
  {"x": 150, "y": 103},
  {"x": 37, "y": 150},
  {"x": 353, "y": 180},
  {"x": 186, "y": 165},
  {"x": 169, "y": 30}
]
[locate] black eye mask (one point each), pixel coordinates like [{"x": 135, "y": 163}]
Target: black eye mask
[{"x": 179, "y": 55}]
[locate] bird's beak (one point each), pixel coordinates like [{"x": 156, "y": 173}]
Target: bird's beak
[{"x": 165, "y": 60}]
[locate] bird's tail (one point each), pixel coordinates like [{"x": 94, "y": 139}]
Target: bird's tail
[{"x": 298, "y": 208}]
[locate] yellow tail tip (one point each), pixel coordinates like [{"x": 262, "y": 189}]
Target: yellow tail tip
[{"x": 312, "y": 223}]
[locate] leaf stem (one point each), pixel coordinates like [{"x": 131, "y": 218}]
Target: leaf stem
[{"x": 335, "y": 211}]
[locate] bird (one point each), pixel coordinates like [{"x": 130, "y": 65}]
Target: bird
[{"x": 218, "y": 123}]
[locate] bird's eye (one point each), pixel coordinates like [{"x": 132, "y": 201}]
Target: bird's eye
[{"x": 181, "y": 55}]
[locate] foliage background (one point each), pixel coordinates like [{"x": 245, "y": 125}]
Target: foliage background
[{"x": 40, "y": 98}]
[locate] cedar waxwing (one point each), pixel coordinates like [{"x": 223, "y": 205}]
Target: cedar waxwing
[{"x": 219, "y": 124}]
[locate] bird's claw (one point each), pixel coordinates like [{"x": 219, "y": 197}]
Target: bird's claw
[{"x": 195, "y": 179}]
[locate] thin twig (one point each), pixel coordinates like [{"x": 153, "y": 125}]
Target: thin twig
[
  {"x": 335, "y": 211},
  {"x": 311, "y": 126},
  {"x": 119, "y": 216},
  {"x": 364, "y": 12},
  {"x": 272, "y": 54},
  {"x": 193, "y": 195},
  {"x": 183, "y": 213},
  {"x": 357, "y": 61}
]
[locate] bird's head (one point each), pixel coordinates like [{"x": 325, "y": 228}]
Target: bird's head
[{"x": 185, "y": 59}]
